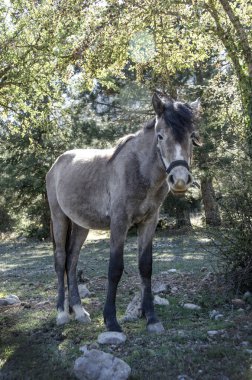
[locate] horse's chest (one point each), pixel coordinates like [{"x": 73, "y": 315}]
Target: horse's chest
[{"x": 147, "y": 207}]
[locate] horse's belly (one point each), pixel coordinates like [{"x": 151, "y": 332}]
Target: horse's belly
[{"x": 90, "y": 214}]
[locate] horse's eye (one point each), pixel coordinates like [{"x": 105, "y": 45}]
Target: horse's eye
[{"x": 160, "y": 137}]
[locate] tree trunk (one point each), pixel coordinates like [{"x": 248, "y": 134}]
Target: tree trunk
[
  {"x": 210, "y": 205},
  {"x": 183, "y": 213}
]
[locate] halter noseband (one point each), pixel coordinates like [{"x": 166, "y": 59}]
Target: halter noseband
[{"x": 173, "y": 164}]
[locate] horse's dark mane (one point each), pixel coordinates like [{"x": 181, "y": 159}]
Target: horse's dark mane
[{"x": 179, "y": 116}]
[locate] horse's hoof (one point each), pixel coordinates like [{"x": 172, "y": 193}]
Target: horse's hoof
[
  {"x": 156, "y": 328},
  {"x": 81, "y": 315},
  {"x": 62, "y": 318}
]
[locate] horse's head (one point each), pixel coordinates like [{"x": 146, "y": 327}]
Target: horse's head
[{"x": 175, "y": 136}]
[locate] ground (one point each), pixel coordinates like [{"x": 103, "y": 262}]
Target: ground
[{"x": 33, "y": 347}]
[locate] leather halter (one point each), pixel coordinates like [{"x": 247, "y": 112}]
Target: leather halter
[{"x": 173, "y": 164}]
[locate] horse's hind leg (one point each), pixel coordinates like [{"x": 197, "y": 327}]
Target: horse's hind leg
[
  {"x": 77, "y": 238},
  {"x": 60, "y": 227}
]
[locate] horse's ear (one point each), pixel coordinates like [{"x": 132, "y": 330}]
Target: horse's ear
[
  {"x": 196, "y": 105},
  {"x": 196, "y": 139},
  {"x": 158, "y": 105}
]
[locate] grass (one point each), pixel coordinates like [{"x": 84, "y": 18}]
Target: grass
[{"x": 33, "y": 347}]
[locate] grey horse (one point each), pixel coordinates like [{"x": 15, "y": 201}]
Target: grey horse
[{"x": 115, "y": 189}]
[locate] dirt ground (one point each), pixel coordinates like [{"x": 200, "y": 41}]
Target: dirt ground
[{"x": 33, "y": 347}]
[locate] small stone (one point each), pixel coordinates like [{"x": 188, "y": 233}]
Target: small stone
[
  {"x": 174, "y": 290},
  {"x": 98, "y": 365},
  {"x": 172, "y": 270},
  {"x": 161, "y": 301},
  {"x": 84, "y": 349},
  {"x": 83, "y": 291},
  {"x": 248, "y": 351},
  {"x": 247, "y": 295},
  {"x": 203, "y": 269},
  {"x": 160, "y": 287},
  {"x": 237, "y": 302},
  {"x": 191, "y": 306},
  {"x": 218, "y": 317},
  {"x": 12, "y": 299},
  {"x": 245, "y": 344},
  {"x": 134, "y": 310},
  {"x": 3, "y": 302},
  {"x": 111, "y": 337},
  {"x": 156, "y": 328},
  {"x": 212, "y": 333}
]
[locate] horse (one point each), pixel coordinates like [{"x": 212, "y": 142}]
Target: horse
[{"x": 113, "y": 189}]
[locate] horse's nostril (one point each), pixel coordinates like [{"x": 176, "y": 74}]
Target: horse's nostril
[
  {"x": 171, "y": 179},
  {"x": 190, "y": 179}
]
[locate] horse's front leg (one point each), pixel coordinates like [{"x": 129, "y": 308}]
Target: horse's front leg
[
  {"x": 117, "y": 237},
  {"x": 145, "y": 235}
]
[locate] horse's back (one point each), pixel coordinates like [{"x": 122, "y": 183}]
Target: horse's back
[{"x": 77, "y": 184}]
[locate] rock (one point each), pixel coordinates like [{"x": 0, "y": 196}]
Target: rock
[
  {"x": 98, "y": 365},
  {"x": 237, "y": 302},
  {"x": 247, "y": 295},
  {"x": 84, "y": 349},
  {"x": 3, "y": 302},
  {"x": 83, "y": 291},
  {"x": 172, "y": 270},
  {"x": 248, "y": 351},
  {"x": 12, "y": 299},
  {"x": 42, "y": 304},
  {"x": 161, "y": 301},
  {"x": 156, "y": 328},
  {"x": 203, "y": 269},
  {"x": 216, "y": 315},
  {"x": 160, "y": 287},
  {"x": 183, "y": 377},
  {"x": 133, "y": 311},
  {"x": 212, "y": 333},
  {"x": 174, "y": 290},
  {"x": 191, "y": 306},
  {"x": 111, "y": 337}
]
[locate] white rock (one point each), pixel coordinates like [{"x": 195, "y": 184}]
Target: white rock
[
  {"x": 84, "y": 349},
  {"x": 218, "y": 317},
  {"x": 161, "y": 301},
  {"x": 215, "y": 332},
  {"x": 160, "y": 287},
  {"x": 156, "y": 328},
  {"x": 83, "y": 291},
  {"x": 174, "y": 290},
  {"x": 12, "y": 299},
  {"x": 133, "y": 311},
  {"x": 247, "y": 295},
  {"x": 248, "y": 351},
  {"x": 98, "y": 365},
  {"x": 111, "y": 337},
  {"x": 172, "y": 270},
  {"x": 191, "y": 306},
  {"x": 212, "y": 332},
  {"x": 3, "y": 302}
]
